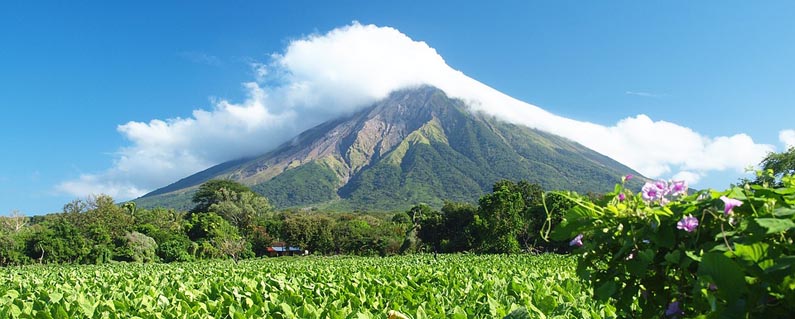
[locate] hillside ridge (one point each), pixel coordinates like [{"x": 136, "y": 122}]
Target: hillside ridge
[{"x": 416, "y": 145}]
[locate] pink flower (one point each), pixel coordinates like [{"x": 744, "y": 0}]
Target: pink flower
[
  {"x": 577, "y": 241},
  {"x": 688, "y": 223},
  {"x": 622, "y": 197},
  {"x": 650, "y": 192},
  {"x": 662, "y": 186},
  {"x": 678, "y": 188},
  {"x": 729, "y": 204},
  {"x": 628, "y": 177}
]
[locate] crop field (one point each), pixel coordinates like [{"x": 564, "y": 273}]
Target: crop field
[{"x": 417, "y": 286}]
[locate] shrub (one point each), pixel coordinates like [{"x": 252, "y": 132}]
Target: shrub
[
  {"x": 138, "y": 248},
  {"x": 663, "y": 254},
  {"x": 175, "y": 250}
]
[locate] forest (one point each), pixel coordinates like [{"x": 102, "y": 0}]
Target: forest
[{"x": 229, "y": 220}]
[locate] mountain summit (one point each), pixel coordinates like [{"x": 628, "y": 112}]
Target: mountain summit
[{"x": 416, "y": 145}]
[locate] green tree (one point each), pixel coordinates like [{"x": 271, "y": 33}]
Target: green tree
[
  {"x": 260, "y": 240},
  {"x": 208, "y": 193},
  {"x": 323, "y": 241},
  {"x": 13, "y": 228},
  {"x": 354, "y": 234},
  {"x": 102, "y": 224},
  {"x": 75, "y": 207},
  {"x": 299, "y": 230},
  {"x": 105, "y": 213},
  {"x": 777, "y": 165},
  {"x": 101, "y": 244},
  {"x": 240, "y": 209},
  {"x": 175, "y": 249},
  {"x": 428, "y": 227},
  {"x": 161, "y": 224},
  {"x": 12, "y": 248},
  {"x": 167, "y": 228},
  {"x": 500, "y": 218},
  {"x": 14, "y": 222},
  {"x": 57, "y": 241},
  {"x": 211, "y": 232},
  {"x": 232, "y": 247},
  {"x": 402, "y": 218},
  {"x": 459, "y": 233}
]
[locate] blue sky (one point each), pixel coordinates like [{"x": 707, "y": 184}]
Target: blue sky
[{"x": 73, "y": 72}]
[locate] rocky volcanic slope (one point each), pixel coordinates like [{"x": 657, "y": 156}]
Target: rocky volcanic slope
[{"x": 417, "y": 145}]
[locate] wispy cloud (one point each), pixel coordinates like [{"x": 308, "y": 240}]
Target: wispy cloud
[
  {"x": 644, "y": 94},
  {"x": 322, "y": 76},
  {"x": 199, "y": 57},
  {"x": 787, "y": 137},
  {"x": 260, "y": 71}
]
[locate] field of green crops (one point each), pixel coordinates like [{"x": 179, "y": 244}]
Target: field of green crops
[{"x": 419, "y": 286}]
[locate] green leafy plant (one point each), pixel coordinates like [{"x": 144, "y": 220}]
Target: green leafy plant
[
  {"x": 414, "y": 286},
  {"x": 660, "y": 253}
]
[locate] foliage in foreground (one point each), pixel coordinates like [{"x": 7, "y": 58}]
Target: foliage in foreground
[
  {"x": 420, "y": 286},
  {"x": 712, "y": 254}
]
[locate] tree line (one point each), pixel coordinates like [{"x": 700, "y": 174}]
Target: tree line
[{"x": 229, "y": 220}]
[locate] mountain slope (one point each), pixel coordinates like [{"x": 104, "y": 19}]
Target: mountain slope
[{"x": 417, "y": 145}]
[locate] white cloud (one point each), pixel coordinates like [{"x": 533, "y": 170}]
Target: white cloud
[
  {"x": 162, "y": 152},
  {"x": 643, "y": 94},
  {"x": 787, "y": 137},
  {"x": 320, "y": 77},
  {"x": 106, "y": 183},
  {"x": 260, "y": 71},
  {"x": 690, "y": 177}
]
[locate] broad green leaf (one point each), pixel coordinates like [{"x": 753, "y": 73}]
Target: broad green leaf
[
  {"x": 752, "y": 253},
  {"x": 458, "y": 313},
  {"x": 606, "y": 290},
  {"x": 55, "y": 297},
  {"x": 421, "y": 313},
  {"x": 536, "y": 311},
  {"x": 12, "y": 294},
  {"x": 785, "y": 191},
  {"x": 60, "y": 312},
  {"x": 783, "y": 212},
  {"x": 737, "y": 193},
  {"x": 493, "y": 305},
  {"x": 664, "y": 237},
  {"x": 287, "y": 310},
  {"x": 394, "y": 314},
  {"x": 14, "y": 311},
  {"x": 775, "y": 225},
  {"x": 725, "y": 273},
  {"x": 782, "y": 263}
]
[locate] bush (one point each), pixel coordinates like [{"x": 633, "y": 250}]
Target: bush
[
  {"x": 175, "y": 250},
  {"x": 717, "y": 254},
  {"x": 138, "y": 248}
]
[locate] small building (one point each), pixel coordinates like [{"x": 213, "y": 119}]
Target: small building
[{"x": 281, "y": 249}]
